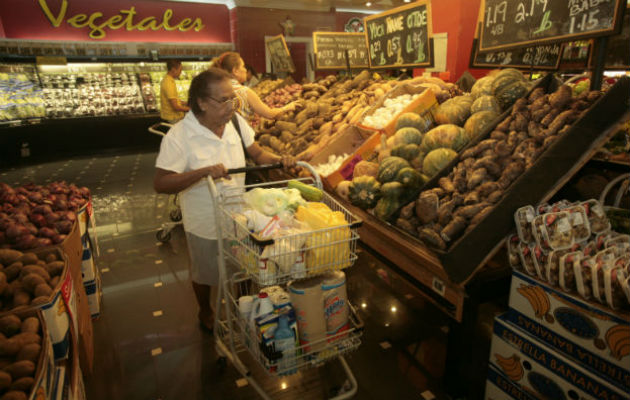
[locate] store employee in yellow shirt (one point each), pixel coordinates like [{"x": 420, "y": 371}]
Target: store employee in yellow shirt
[{"x": 172, "y": 109}]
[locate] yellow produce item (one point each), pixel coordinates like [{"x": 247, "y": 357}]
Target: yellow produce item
[{"x": 327, "y": 247}]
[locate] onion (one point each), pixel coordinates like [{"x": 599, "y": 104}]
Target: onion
[
  {"x": 31, "y": 228},
  {"x": 69, "y": 216},
  {"x": 26, "y": 242},
  {"x": 36, "y": 197},
  {"x": 60, "y": 205},
  {"x": 20, "y": 218},
  {"x": 14, "y": 231}
]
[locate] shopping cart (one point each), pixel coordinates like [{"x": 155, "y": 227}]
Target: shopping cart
[
  {"x": 175, "y": 212},
  {"x": 238, "y": 258}
]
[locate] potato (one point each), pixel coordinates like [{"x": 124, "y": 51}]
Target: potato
[
  {"x": 52, "y": 257},
  {"x": 31, "y": 281},
  {"x": 10, "y": 325},
  {"x": 5, "y": 381},
  {"x": 54, "y": 282},
  {"x": 8, "y": 256},
  {"x": 43, "y": 289},
  {"x": 13, "y": 270},
  {"x": 25, "y": 338},
  {"x": 23, "y": 384},
  {"x": 9, "y": 347},
  {"x": 5, "y": 362},
  {"x": 55, "y": 268},
  {"x": 35, "y": 269},
  {"x": 41, "y": 262},
  {"x": 14, "y": 395},
  {"x": 29, "y": 352},
  {"x": 21, "y": 369},
  {"x": 21, "y": 298},
  {"x": 29, "y": 258},
  {"x": 3, "y": 282},
  {"x": 30, "y": 324}
]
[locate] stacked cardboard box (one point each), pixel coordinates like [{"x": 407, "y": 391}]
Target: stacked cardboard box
[
  {"x": 89, "y": 271},
  {"x": 552, "y": 344}
]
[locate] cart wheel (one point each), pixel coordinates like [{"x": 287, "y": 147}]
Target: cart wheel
[
  {"x": 222, "y": 363},
  {"x": 163, "y": 236},
  {"x": 176, "y": 215}
]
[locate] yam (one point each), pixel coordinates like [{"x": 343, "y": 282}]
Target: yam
[
  {"x": 39, "y": 300},
  {"x": 51, "y": 257},
  {"x": 21, "y": 369},
  {"x": 14, "y": 395},
  {"x": 9, "y": 256},
  {"x": 5, "y": 362},
  {"x": 24, "y": 384},
  {"x": 29, "y": 351},
  {"x": 5, "y": 381},
  {"x": 13, "y": 270},
  {"x": 21, "y": 298},
  {"x": 30, "y": 324},
  {"x": 10, "y": 325},
  {"x": 35, "y": 269}
]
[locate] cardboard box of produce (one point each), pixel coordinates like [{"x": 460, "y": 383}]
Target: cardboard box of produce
[
  {"x": 593, "y": 335},
  {"x": 94, "y": 296},
  {"x": 88, "y": 269},
  {"x": 424, "y": 104},
  {"x": 500, "y": 387},
  {"x": 60, "y": 379},
  {"x": 542, "y": 371},
  {"x": 353, "y": 141},
  {"x": 31, "y": 368}
]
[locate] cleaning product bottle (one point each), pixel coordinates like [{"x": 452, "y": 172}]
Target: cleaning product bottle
[
  {"x": 262, "y": 306},
  {"x": 284, "y": 342}
]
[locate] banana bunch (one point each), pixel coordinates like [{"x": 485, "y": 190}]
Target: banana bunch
[
  {"x": 538, "y": 299},
  {"x": 618, "y": 339},
  {"x": 511, "y": 366}
]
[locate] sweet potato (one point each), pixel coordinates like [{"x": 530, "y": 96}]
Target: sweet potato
[
  {"x": 21, "y": 298},
  {"x": 5, "y": 381},
  {"x": 25, "y": 338},
  {"x": 446, "y": 184},
  {"x": 35, "y": 269},
  {"x": 431, "y": 238},
  {"x": 24, "y": 384},
  {"x": 30, "y": 324},
  {"x": 426, "y": 207},
  {"x": 21, "y": 369},
  {"x": 31, "y": 281},
  {"x": 9, "y": 347},
  {"x": 453, "y": 229},
  {"x": 13, "y": 270},
  {"x": 29, "y": 258},
  {"x": 56, "y": 267},
  {"x": 51, "y": 257},
  {"x": 9, "y": 256},
  {"x": 561, "y": 97},
  {"x": 476, "y": 178}
]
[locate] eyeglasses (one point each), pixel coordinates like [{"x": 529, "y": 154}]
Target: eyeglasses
[{"x": 234, "y": 101}]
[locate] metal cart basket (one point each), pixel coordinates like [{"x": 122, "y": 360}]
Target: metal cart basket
[{"x": 248, "y": 262}]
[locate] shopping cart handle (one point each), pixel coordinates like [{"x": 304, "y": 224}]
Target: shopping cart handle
[{"x": 264, "y": 167}]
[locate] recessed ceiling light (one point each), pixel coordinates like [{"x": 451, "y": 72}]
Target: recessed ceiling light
[
  {"x": 368, "y": 4},
  {"x": 407, "y": 1}
]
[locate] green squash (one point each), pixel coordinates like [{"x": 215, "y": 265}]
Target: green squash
[
  {"x": 436, "y": 160},
  {"x": 482, "y": 87},
  {"x": 447, "y": 136},
  {"x": 406, "y": 151},
  {"x": 452, "y": 112},
  {"x": 410, "y": 178},
  {"x": 507, "y": 95},
  {"x": 364, "y": 192},
  {"x": 386, "y": 208},
  {"x": 389, "y": 167},
  {"x": 485, "y": 103},
  {"x": 413, "y": 120},
  {"x": 478, "y": 122},
  {"x": 408, "y": 136},
  {"x": 392, "y": 190}
]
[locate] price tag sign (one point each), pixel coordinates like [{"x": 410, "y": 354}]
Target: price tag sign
[
  {"x": 546, "y": 57},
  {"x": 331, "y": 47},
  {"x": 279, "y": 53},
  {"x": 438, "y": 286},
  {"x": 522, "y": 23},
  {"x": 400, "y": 37}
]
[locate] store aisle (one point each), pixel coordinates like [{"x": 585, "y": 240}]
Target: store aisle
[{"x": 148, "y": 344}]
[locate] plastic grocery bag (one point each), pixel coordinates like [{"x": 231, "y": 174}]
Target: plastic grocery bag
[{"x": 328, "y": 246}]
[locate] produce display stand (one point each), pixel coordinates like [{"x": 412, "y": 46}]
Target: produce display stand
[{"x": 243, "y": 249}]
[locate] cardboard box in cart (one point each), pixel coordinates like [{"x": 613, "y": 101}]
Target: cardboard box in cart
[
  {"x": 541, "y": 370},
  {"x": 591, "y": 334}
]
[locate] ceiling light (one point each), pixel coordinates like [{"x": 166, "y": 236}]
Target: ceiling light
[
  {"x": 393, "y": 308},
  {"x": 363, "y": 305},
  {"x": 407, "y": 1},
  {"x": 368, "y": 4},
  {"x": 283, "y": 385}
]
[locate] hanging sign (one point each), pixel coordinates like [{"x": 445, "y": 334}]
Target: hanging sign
[
  {"x": 279, "y": 53},
  {"x": 522, "y": 23},
  {"x": 400, "y": 37},
  {"x": 331, "y": 49},
  {"x": 545, "y": 57}
]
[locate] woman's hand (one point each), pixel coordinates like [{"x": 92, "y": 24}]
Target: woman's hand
[
  {"x": 288, "y": 162},
  {"x": 217, "y": 171}
]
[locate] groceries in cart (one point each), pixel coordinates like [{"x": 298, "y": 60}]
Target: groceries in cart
[
  {"x": 281, "y": 234},
  {"x": 575, "y": 249},
  {"x": 297, "y": 325}
]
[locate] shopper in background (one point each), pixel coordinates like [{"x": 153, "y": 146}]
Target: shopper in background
[
  {"x": 249, "y": 102},
  {"x": 206, "y": 143},
  {"x": 252, "y": 76},
  {"x": 172, "y": 110}
]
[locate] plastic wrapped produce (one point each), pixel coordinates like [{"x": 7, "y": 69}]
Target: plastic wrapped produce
[
  {"x": 523, "y": 218},
  {"x": 557, "y": 230},
  {"x": 597, "y": 216}
]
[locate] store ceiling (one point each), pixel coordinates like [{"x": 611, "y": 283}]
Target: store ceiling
[{"x": 313, "y": 5}]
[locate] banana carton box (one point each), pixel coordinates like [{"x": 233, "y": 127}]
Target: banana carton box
[
  {"x": 591, "y": 334},
  {"x": 541, "y": 371},
  {"x": 499, "y": 387}
]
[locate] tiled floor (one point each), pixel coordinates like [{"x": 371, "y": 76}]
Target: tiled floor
[{"x": 147, "y": 340}]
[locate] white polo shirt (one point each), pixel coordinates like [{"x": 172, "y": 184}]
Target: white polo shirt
[{"x": 188, "y": 146}]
